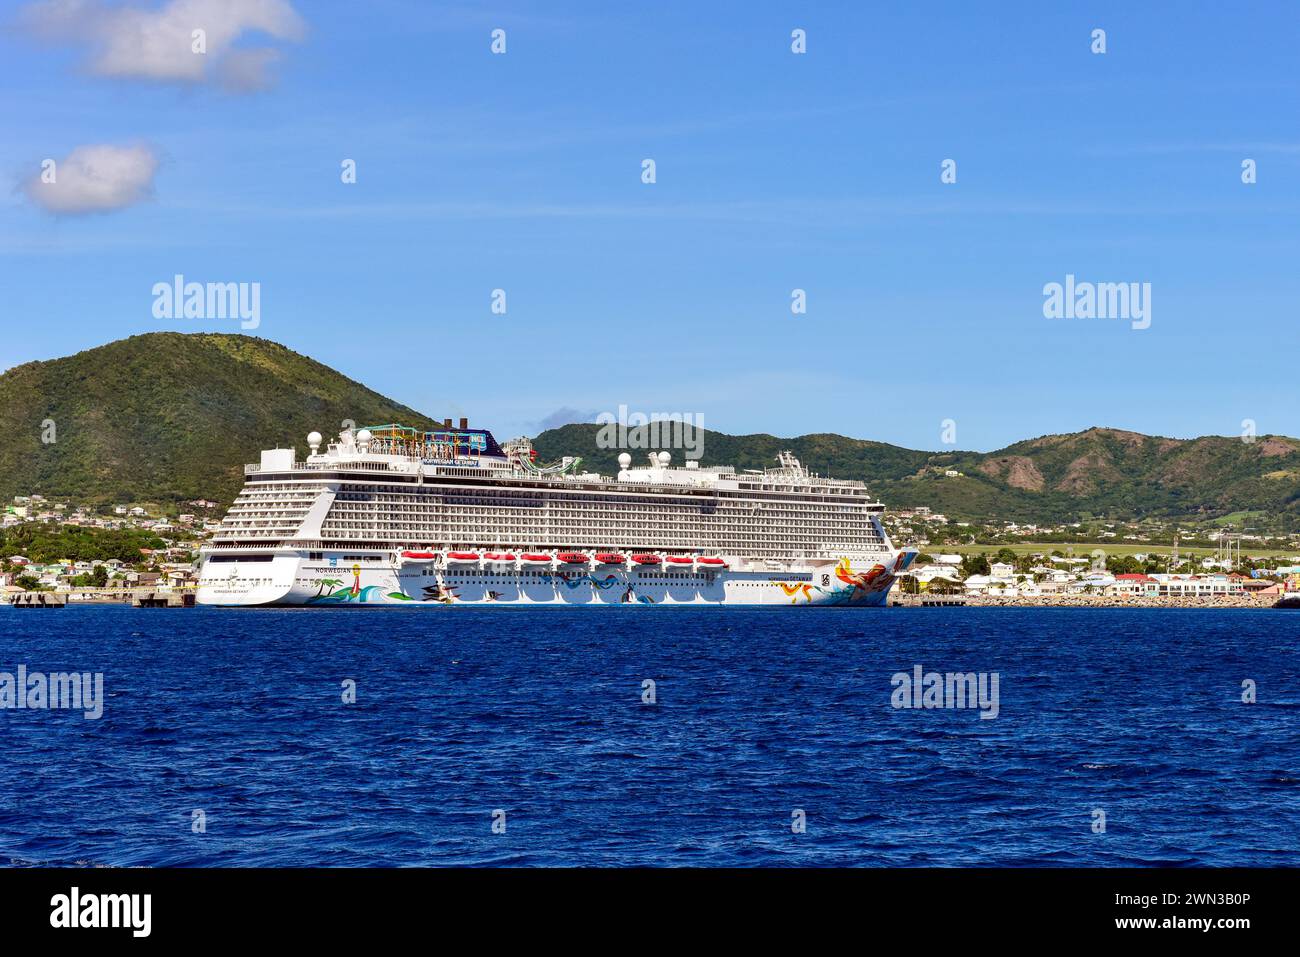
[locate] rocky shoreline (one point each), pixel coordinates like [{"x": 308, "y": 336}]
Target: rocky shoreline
[{"x": 1097, "y": 601}]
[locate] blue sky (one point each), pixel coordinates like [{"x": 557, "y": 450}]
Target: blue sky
[{"x": 775, "y": 171}]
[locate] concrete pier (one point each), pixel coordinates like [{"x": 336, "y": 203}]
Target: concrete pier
[
  {"x": 39, "y": 599},
  {"x": 136, "y": 597},
  {"x": 925, "y": 600},
  {"x": 162, "y": 599}
]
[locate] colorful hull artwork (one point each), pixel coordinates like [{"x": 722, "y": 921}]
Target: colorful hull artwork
[
  {"x": 354, "y": 593},
  {"x": 418, "y": 583}
]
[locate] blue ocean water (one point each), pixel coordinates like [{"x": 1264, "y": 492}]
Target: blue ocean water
[{"x": 461, "y": 712}]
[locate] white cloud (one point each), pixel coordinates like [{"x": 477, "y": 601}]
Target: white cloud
[
  {"x": 158, "y": 43},
  {"x": 97, "y": 178}
]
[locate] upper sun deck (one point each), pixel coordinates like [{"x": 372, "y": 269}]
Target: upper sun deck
[{"x": 474, "y": 453}]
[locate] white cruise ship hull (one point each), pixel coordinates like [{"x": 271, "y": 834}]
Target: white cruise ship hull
[
  {"x": 294, "y": 579},
  {"x": 396, "y": 516}
]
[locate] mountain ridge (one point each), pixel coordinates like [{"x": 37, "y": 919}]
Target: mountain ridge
[
  {"x": 174, "y": 416},
  {"x": 167, "y": 416},
  {"x": 1098, "y": 472}
]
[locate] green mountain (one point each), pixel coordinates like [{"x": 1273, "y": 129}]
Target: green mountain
[
  {"x": 1055, "y": 478},
  {"x": 167, "y": 416}
]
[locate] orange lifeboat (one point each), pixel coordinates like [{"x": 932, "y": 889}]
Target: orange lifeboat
[
  {"x": 573, "y": 558},
  {"x": 462, "y": 556},
  {"x": 679, "y": 560},
  {"x": 420, "y": 556},
  {"x": 712, "y": 562},
  {"x": 498, "y": 557},
  {"x": 646, "y": 559},
  {"x": 610, "y": 558}
]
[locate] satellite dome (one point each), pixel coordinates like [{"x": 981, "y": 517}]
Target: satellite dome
[
  {"x": 624, "y": 460},
  {"x": 363, "y": 435},
  {"x": 665, "y": 458},
  {"x": 314, "y": 438}
]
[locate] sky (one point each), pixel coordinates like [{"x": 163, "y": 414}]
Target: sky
[{"x": 774, "y": 171}]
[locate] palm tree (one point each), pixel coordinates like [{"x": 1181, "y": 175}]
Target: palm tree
[{"x": 331, "y": 582}]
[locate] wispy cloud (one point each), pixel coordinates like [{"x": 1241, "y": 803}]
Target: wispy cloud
[
  {"x": 564, "y": 416},
  {"x": 1161, "y": 149},
  {"x": 182, "y": 41},
  {"x": 96, "y": 178},
  {"x": 793, "y": 211}
]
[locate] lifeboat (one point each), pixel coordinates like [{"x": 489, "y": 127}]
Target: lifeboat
[
  {"x": 498, "y": 557},
  {"x": 530, "y": 558},
  {"x": 420, "y": 556},
  {"x": 462, "y": 556},
  {"x": 679, "y": 560},
  {"x": 646, "y": 559},
  {"x": 573, "y": 558},
  {"x": 712, "y": 562},
  {"x": 609, "y": 558}
]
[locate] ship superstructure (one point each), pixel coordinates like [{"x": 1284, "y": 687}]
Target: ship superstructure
[{"x": 393, "y": 515}]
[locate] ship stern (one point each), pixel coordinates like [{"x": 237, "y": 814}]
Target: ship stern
[{"x": 241, "y": 579}]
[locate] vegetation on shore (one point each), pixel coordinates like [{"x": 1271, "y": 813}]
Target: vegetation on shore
[
  {"x": 43, "y": 544},
  {"x": 1084, "y": 549}
]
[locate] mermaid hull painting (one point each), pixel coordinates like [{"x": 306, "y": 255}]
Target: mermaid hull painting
[{"x": 388, "y": 579}]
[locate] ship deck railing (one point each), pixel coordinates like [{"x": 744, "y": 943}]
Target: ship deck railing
[{"x": 757, "y": 482}]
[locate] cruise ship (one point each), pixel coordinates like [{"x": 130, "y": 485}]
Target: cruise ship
[{"x": 388, "y": 515}]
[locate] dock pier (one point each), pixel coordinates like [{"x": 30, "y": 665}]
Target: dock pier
[
  {"x": 162, "y": 599},
  {"x": 936, "y": 600},
  {"x": 135, "y": 597},
  {"x": 39, "y": 599}
]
